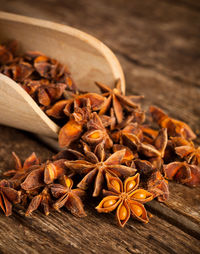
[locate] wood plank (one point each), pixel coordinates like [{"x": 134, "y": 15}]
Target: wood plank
[{"x": 61, "y": 233}]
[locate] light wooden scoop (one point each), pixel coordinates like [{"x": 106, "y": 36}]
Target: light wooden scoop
[{"x": 88, "y": 60}]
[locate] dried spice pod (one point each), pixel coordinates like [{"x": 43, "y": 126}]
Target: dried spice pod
[
  {"x": 127, "y": 198},
  {"x": 97, "y": 132},
  {"x": 54, "y": 170},
  {"x": 174, "y": 126},
  {"x": 68, "y": 197},
  {"x": 95, "y": 170},
  {"x": 183, "y": 173},
  {"x": 43, "y": 199},
  {"x": 8, "y": 196},
  {"x": 105, "y": 139},
  {"x": 158, "y": 186},
  {"x": 117, "y": 100}
]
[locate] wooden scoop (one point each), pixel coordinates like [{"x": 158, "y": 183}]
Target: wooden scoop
[{"x": 88, "y": 60}]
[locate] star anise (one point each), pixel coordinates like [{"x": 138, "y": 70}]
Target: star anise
[
  {"x": 189, "y": 153},
  {"x": 68, "y": 197},
  {"x": 117, "y": 100},
  {"x": 158, "y": 186},
  {"x": 8, "y": 196},
  {"x": 127, "y": 198},
  {"x": 129, "y": 155},
  {"x": 21, "y": 171},
  {"x": 30, "y": 161},
  {"x": 183, "y": 173},
  {"x": 131, "y": 135},
  {"x": 43, "y": 199},
  {"x": 44, "y": 174},
  {"x": 78, "y": 110},
  {"x": 97, "y": 132},
  {"x": 97, "y": 165},
  {"x": 174, "y": 126}
]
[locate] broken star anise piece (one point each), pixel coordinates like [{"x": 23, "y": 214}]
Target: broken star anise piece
[
  {"x": 68, "y": 197},
  {"x": 183, "y": 172},
  {"x": 127, "y": 198},
  {"x": 43, "y": 199},
  {"x": 8, "y": 196},
  {"x": 97, "y": 166},
  {"x": 158, "y": 186},
  {"x": 174, "y": 126}
]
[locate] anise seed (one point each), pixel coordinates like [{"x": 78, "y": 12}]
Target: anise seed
[
  {"x": 130, "y": 185},
  {"x": 115, "y": 184},
  {"x": 136, "y": 209},
  {"x": 140, "y": 195},
  {"x": 123, "y": 213},
  {"x": 109, "y": 203}
]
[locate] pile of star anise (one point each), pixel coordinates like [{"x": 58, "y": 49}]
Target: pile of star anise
[{"x": 108, "y": 146}]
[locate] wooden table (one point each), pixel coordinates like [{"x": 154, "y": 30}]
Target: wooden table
[{"x": 157, "y": 43}]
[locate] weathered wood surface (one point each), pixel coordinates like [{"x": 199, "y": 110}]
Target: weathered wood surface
[{"x": 157, "y": 43}]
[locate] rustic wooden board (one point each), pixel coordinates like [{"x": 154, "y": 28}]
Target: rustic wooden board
[{"x": 157, "y": 43}]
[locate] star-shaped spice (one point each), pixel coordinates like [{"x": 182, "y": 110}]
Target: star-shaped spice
[
  {"x": 46, "y": 173},
  {"x": 68, "y": 197},
  {"x": 19, "y": 168},
  {"x": 97, "y": 132},
  {"x": 77, "y": 110},
  {"x": 8, "y": 196},
  {"x": 43, "y": 199},
  {"x": 158, "y": 186},
  {"x": 97, "y": 165},
  {"x": 117, "y": 100},
  {"x": 127, "y": 198},
  {"x": 189, "y": 153},
  {"x": 22, "y": 170}
]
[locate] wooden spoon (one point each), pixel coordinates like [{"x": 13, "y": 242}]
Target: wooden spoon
[{"x": 88, "y": 60}]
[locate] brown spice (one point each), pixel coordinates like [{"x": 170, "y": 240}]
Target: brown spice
[{"x": 105, "y": 138}]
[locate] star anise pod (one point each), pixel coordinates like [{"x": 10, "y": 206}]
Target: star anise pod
[
  {"x": 117, "y": 100},
  {"x": 158, "y": 186},
  {"x": 64, "y": 108},
  {"x": 129, "y": 155},
  {"x": 22, "y": 170},
  {"x": 97, "y": 165},
  {"x": 78, "y": 110},
  {"x": 44, "y": 174},
  {"x": 131, "y": 135},
  {"x": 183, "y": 173},
  {"x": 19, "y": 168},
  {"x": 189, "y": 153},
  {"x": 126, "y": 197},
  {"x": 43, "y": 199},
  {"x": 8, "y": 196},
  {"x": 68, "y": 197},
  {"x": 174, "y": 126},
  {"x": 149, "y": 134},
  {"x": 97, "y": 132}
]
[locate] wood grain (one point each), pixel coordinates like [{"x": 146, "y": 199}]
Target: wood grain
[{"x": 157, "y": 43}]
